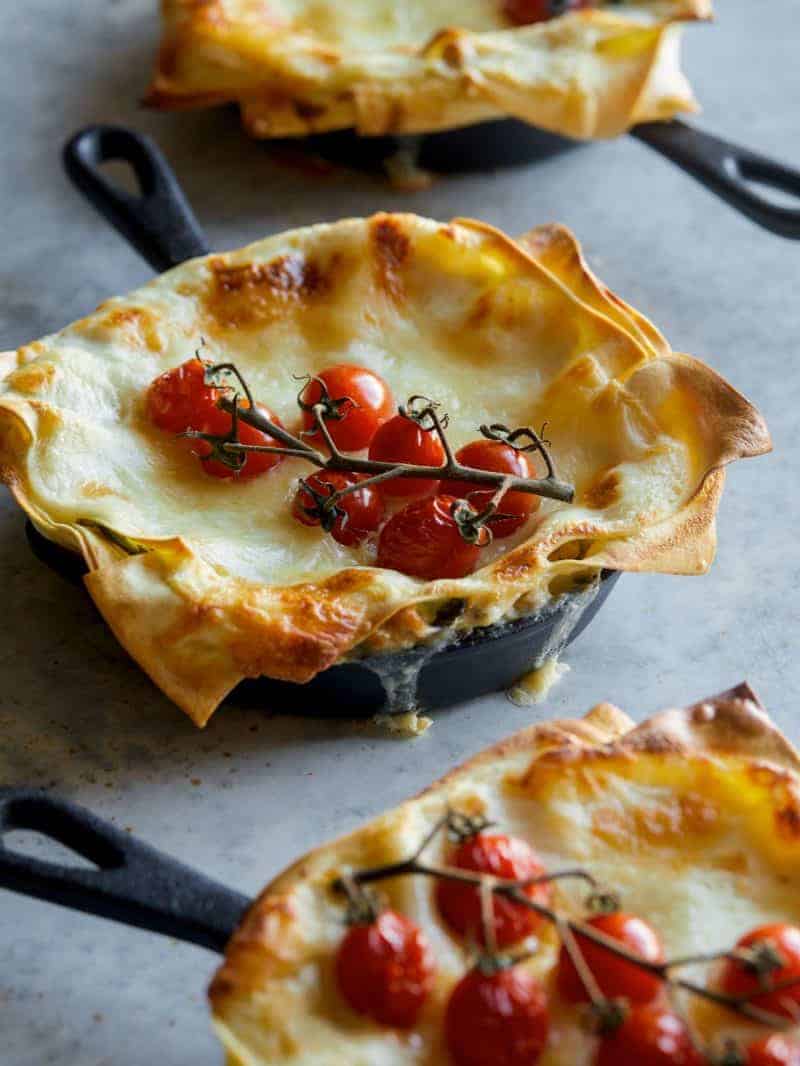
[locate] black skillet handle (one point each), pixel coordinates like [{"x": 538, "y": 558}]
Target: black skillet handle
[
  {"x": 728, "y": 170},
  {"x": 159, "y": 222},
  {"x": 133, "y": 883}
]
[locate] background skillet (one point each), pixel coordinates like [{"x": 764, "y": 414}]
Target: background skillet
[{"x": 423, "y": 86}]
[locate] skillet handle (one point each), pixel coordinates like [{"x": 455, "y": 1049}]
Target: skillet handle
[
  {"x": 727, "y": 169},
  {"x": 133, "y": 883},
  {"x": 159, "y": 222}
]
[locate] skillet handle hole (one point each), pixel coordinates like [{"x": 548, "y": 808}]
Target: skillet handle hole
[
  {"x": 30, "y": 844},
  {"x": 771, "y": 186},
  {"x": 122, "y": 176}
]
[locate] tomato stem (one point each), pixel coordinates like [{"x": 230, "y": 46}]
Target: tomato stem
[
  {"x": 523, "y": 439},
  {"x": 514, "y": 890}
]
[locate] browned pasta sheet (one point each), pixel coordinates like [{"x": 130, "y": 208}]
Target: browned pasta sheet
[
  {"x": 692, "y": 817},
  {"x": 208, "y": 582},
  {"x": 302, "y": 66}
]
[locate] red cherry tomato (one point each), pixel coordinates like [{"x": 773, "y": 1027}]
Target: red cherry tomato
[
  {"x": 402, "y": 440},
  {"x": 385, "y": 969},
  {"x": 774, "y": 1050},
  {"x": 739, "y": 979},
  {"x": 180, "y": 398},
  {"x": 370, "y": 405},
  {"x": 423, "y": 540},
  {"x": 617, "y": 978},
  {"x": 524, "y": 12},
  {"x": 499, "y": 1018},
  {"x": 502, "y": 856},
  {"x": 651, "y": 1035},
  {"x": 363, "y": 509},
  {"x": 219, "y": 422},
  {"x": 494, "y": 455}
]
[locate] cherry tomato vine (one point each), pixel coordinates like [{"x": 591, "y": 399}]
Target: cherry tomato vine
[
  {"x": 486, "y": 489},
  {"x": 611, "y": 964}
]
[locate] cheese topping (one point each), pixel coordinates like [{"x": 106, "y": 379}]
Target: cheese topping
[
  {"x": 300, "y": 66},
  {"x": 206, "y": 581},
  {"x": 691, "y": 830}
]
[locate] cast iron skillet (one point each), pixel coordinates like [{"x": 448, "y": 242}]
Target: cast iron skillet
[
  {"x": 726, "y": 169},
  {"x": 160, "y": 224}
]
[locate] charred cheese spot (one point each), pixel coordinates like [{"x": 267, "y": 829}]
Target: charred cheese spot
[
  {"x": 604, "y": 490},
  {"x": 32, "y": 377},
  {"x": 137, "y": 327},
  {"x": 392, "y": 247},
  {"x": 787, "y": 820},
  {"x": 251, "y": 295}
]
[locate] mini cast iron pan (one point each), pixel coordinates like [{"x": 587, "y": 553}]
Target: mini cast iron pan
[
  {"x": 160, "y": 225},
  {"x": 732, "y": 172}
]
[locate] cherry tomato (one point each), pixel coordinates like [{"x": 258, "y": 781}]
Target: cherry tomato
[
  {"x": 524, "y": 12},
  {"x": 651, "y": 1035},
  {"x": 402, "y": 440},
  {"x": 219, "y": 422},
  {"x": 180, "y": 398},
  {"x": 423, "y": 540},
  {"x": 363, "y": 509},
  {"x": 617, "y": 978},
  {"x": 503, "y": 856},
  {"x": 495, "y": 455},
  {"x": 774, "y": 1050},
  {"x": 370, "y": 404},
  {"x": 740, "y": 979},
  {"x": 385, "y": 969},
  {"x": 498, "y": 1018}
]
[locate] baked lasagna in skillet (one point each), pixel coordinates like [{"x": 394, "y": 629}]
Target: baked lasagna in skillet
[
  {"x": 582, "y": 68},
  {"x": 584, "y": 893},
  {"x": 212, "y": 562}
]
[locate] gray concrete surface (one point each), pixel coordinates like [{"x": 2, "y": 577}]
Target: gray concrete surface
[{"x": 243, "y": 798}]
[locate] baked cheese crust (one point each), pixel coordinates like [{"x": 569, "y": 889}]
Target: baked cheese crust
[
  {"x": 206, "y": 583},
  {"x": 692, "y": 817},
  {"x": 303, "y": 66}
]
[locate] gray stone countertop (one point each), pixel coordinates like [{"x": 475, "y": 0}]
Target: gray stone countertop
[{"x": 250, "y": 793}]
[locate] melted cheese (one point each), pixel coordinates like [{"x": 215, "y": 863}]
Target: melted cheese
[
  {"x": 225, "y": 583},
  {"x": 296, "y": 66},
  {"x": 693, "y": 838}
]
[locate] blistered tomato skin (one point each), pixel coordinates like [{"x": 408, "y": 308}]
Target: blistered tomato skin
[
  {"x": 503, "y": 856},
  {"x": 370, "y": 404},
  {"x": 499, "y": 1018},
  {"x": 219, "y": 423},
  {"x": 423, "y": 540},
  {"x": 774, "y": 1050},
  {"x": 651, "y": 1035},
  {"x": 740, "y": 979},
  {"x": 502, "y": 458},
  {"x": 179, "y": 399},
  {"x": 363, "y": 509},
  {"x": 616, "y": 978},
  {"x": 385, "y": 969},
  {"x": 525, "y": 12},
  {"x": 402, "y": 440}
]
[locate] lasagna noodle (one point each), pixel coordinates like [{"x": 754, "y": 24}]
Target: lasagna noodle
[
  {"x": 207, "y": 582},
  {"x": 710, "y": 793},
  {"x": 298, "y": 68}
]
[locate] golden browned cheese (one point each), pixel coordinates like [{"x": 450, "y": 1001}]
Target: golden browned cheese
[
  {"x": 207, "y": 582},
  {"x": 692, "y": 817},
  {"x": 384, "y": 66}
]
